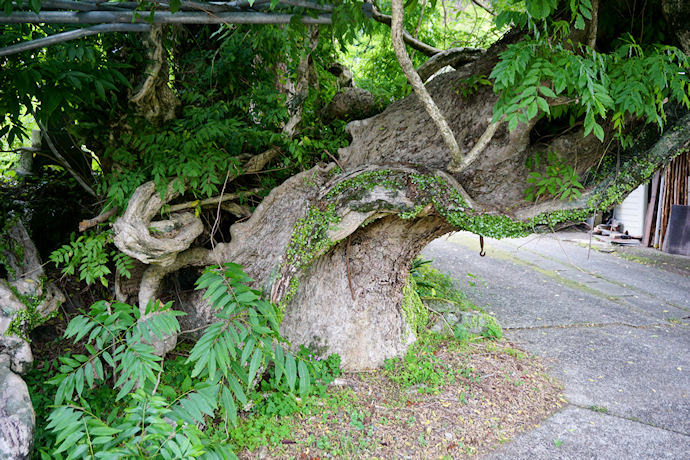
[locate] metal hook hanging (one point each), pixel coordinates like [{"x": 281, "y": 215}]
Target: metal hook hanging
[{"x": 482, "y": 253}]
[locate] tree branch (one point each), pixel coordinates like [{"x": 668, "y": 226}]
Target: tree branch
[
  {"x": 417, "y": 84},
  {"x": 479, "y": 147},
  {"x": 304, "y": 70},
  {"x": 483, "y": 5},
  {"x": 214, "y": 200},
  {"x": 258, "y": 162},
  {"x": 62, "y": 160},
  {"x": 418, "y": 45},
  {"x": 454, "y": 57},
  {"x": 86, "y": 224}
]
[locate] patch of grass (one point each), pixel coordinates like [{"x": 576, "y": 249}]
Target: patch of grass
[
  {"x": 600, "y": 409},
  {"x": 421, "y": 367}
]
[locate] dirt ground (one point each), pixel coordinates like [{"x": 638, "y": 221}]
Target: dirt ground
[{"x": 492, "y": 391}]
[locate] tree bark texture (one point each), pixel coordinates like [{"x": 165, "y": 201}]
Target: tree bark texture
[{"x": 372, "y": 327}]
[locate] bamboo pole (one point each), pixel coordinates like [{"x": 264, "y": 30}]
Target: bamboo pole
[{"x": 161, "y": 17}]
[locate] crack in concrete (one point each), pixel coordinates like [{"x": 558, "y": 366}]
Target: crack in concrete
[
  {"x": 569, "y": 326},
  {"x": 593, "y": 408}
]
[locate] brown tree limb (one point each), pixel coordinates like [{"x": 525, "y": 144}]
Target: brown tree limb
[
  {"x": 417, "y": 84},
  {"x": 88, "y": 223},
  {"x": 62, "y": 160},
  {"x": 257, "y": 163},
  {"x": 454, "y": 57},
  {"x": 305, "y": 68},
  {"x": 418, "y": 45},
  {"x": 486, "y": 7}
]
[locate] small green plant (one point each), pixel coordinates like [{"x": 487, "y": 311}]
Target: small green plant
[
  {"x": 460, "y": 333},
  {"x": 357, "y": 420},
  {"x": 422, "y": 440},
  {"x": 255, "y": 431},
  {"x": 469, "y": 85},
  {"x": 324, "y": 443},
  {"x": 601, "y": 409},
  {"x": 420, "y": 367},
  {"x": 462, "y": 399},
  {"x": 557, "y": 442},
  {"x": 493, "y": 332},
  {"x": 275, "y": 397},
  {"x": 431, "y": 284},
  {"x": 88, "y": 254},
  {"x": 559, "y": 179}
]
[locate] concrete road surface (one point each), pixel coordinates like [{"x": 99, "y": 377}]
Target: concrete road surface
[{"x": 616, "y": 331}]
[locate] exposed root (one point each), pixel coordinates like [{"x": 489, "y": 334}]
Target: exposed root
[{"x": 166, "y": 239}]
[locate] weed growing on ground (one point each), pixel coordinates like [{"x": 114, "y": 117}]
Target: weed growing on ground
[
  {"x": 435, "y": 285},
  {"x": 601, "y": 409},
  {"x": 420, "y": 367}
]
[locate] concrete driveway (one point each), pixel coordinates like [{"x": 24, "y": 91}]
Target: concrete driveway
[{"x": 616, "y": 331}]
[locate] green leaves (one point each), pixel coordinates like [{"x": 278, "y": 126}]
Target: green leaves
[
  {"x": 540, "y": 9},
  {"x": 157, "y": 418},
  {"x": 114, "y": 336},
  {"x": 535, "y": 74},
  {"x": 246, "y": 339},
  {"x": 558, "y": 179},
  {"x": 89, "y": 255}
]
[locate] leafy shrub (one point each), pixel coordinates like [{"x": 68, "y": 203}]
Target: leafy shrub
[
  {"x": 172, "y": 416},
  {"x": 89, "y": 255},
  {"x": 559, "y": 179}
]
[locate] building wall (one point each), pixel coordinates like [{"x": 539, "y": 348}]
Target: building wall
[{"x": 631, "y": 212}]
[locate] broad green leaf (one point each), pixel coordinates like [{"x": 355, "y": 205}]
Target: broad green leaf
[
  {"x": 257, "y": 357},
  {"x": 546, "y": 91},
  {"x": 290, "y": 370},
  {"x": 279, "y": 363},
  {"x": 229, "y": 405},
  {"x": 543, "y": 105},
  {"x": 304, "y": 379},
  {"x": 237, "y": 389},
  {"x": 248, "y": 348}
]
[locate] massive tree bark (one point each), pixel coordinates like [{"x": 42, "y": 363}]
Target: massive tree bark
[{"x": 333, "y": 247}]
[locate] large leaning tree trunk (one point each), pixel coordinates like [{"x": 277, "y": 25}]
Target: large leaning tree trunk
[{"x": 333, "y": 246}]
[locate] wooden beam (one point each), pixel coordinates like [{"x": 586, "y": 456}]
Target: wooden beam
[{"x": 649, "y": 217}]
